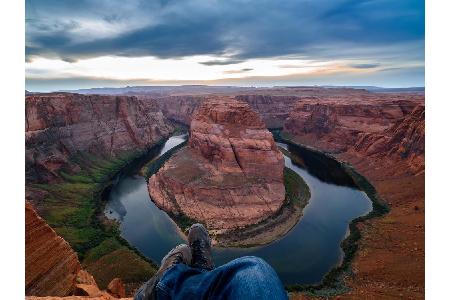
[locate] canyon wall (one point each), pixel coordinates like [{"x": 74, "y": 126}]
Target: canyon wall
[
  {"x": 383, "y": 138},
  {"x": 335, "y": 124},
  {"x": 51, "y": 266},
  {"x": 59, "y": 125},
  {"x": 404, "y": 140},
  {"x": 231, "y": 173},
  {"x": 273, "y": 109},
  {"x": 177, "y": 108}
]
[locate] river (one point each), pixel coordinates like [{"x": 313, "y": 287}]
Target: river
[{"x": 303, "y": 256}]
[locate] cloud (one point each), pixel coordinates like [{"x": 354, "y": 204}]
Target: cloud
[
  {"x": 236, "y": 30},
  {"x": 221, "y": 62},
  {"x": 237, "y": 71},
  {"x": 364, "y": 66}
]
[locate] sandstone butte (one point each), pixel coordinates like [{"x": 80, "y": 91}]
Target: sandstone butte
[
  {"x": 385, "y": 142},
  {"x": 58, "y": 125},
  {"x": 230, "y": 174},
  {"x": 52, "y": 269}
]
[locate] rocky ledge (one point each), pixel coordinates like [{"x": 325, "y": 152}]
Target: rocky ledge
[{"x": 230, "y": 174}]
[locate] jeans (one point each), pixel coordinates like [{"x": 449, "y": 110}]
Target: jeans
[{"x": 247, "y": 278}]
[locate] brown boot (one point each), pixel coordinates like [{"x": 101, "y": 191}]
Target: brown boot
[
  {"x": 181, "y": 254},
  {"x": 200, "y": 244}
]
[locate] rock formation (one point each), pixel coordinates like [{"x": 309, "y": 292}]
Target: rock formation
[
  {"x": 58, "y": 125},
  {"x": 334, "y": 125},
  {"x": 403, "y": 140},
  {"x": 116, "y": 288},
  {"x": 383, "y": 138},
  {"x": 51, "y": 266},
  {"x": 177, "y": 108},
  {"x": 231, "y": 173},
  {"x": 273, "y": 109}
]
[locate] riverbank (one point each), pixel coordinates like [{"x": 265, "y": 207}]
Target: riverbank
[
  {"x": 334, "y": 283},
  {"x": 264, "y": 232},
  {"x": 276, "y": 225},
  {"x": 74, "y": 208}
]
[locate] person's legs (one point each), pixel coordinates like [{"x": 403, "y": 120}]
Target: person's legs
[
  {"x": 188, "y": 273},
  {"x": 243, "y": 278},
  {"x": 181, "y": 254}
]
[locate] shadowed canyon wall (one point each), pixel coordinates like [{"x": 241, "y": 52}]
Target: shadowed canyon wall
[{"x": 59, "y": 125}]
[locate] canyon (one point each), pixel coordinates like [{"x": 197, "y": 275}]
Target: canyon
[
  {"x": 384, "y": 140},
  {"x": 75, "y": 144},
  {"x": 60, "y": 125},
  {"x": 74, "y": 141},
  {"x": 231, "y": 173}
]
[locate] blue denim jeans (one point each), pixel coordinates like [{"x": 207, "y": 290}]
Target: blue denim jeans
[{"x": 246, "y": 278}]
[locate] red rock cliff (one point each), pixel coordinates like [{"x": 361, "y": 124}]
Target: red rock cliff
[
  {"x": 51, "y": 266},
  {"x": 231, "y": 173},
  {"x": 59, "y": 124},
  {"x": 405, "y": 140},
  {"x": 336, "y": 124},
  {"x": 273, "y": 109}
]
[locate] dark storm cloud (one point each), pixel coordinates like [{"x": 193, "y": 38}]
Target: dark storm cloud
[{"x": 235, "y": 30}]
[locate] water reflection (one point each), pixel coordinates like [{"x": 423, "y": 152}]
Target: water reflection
[{"x": 304, "y": 255}]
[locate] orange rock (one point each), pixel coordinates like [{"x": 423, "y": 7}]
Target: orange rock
[
  {"x": 83, "y": 277},
  {"x": 116, "y": 288},
  {"x": 51, "y": 266},
  {"x": 231, "y": 173}
]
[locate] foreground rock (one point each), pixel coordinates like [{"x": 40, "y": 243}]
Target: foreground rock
[
  {"x": 231, "y": 173},
  {"x": 58, "y": 125},
  {"x": 51, "y": 266}
]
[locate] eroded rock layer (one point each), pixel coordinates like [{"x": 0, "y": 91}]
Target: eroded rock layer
[
  {"x": 51, "y": 266},
  {"x": 273, "y": 109},
  {"x": 231, "y": 173},
  {"x": 335, "y": 124},
  {"x": 405, "y": 140},
  {"x": 58, "y": 125}
]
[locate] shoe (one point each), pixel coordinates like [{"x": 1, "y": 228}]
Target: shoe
[
  {"x": 181, "y": 254},
  {"x": 200, "y": 243}
]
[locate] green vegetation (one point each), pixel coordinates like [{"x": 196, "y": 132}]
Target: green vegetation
[
  {"x": 156, "y": 164},
  {"x": 297, "y": 191},
  {"x": 121, "y": 263},
  {"x": 183, "y": 221},
  {"x": 74, "y": 208}
]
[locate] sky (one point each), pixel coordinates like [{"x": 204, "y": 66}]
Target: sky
[{"x": 108, "y": 43}]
